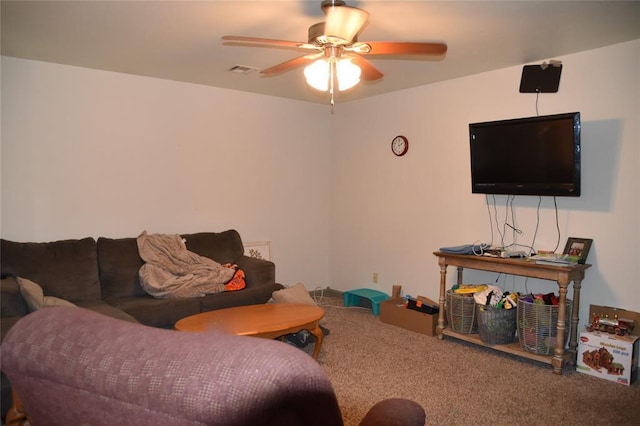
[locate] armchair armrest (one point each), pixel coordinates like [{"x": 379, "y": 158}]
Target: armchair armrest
[
  {"x": 395, "y": 412},
  {"x": 106, "y": 371}
]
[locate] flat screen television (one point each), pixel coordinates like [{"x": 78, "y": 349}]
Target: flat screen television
[{"x": 527, "y": 156}]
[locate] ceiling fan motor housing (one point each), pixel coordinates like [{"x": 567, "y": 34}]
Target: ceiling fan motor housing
[{"x": 319, "y": 38}]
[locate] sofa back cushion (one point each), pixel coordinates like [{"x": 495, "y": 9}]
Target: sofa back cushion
[
  {"x": 119, "y": 263},
  {"x": 67, "y": 269},
  {"x": 223, "y": 247},
  {"x": 119, "y": 260}
]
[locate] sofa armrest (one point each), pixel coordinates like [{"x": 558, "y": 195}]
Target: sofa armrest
[
  {"x": 13, "y": 304},
  {"x": 257, "y": 272}
]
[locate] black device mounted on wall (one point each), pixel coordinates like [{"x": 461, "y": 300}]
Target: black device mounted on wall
[
  {"x": 543, "y": 78},
  {"x": 527, "y": 156}
]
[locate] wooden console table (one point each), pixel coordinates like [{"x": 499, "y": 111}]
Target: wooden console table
[{"x": 563, "y": 275}]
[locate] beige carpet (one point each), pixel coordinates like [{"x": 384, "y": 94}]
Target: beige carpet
[{"x": 459, "y": 383}]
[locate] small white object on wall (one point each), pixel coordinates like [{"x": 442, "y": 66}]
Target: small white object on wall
[{"x": 258, "y": 250}]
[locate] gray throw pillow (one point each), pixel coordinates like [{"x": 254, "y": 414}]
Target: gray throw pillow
[
  {"x": 35, "y": 298},
  {"x": 295, "y": 294}
]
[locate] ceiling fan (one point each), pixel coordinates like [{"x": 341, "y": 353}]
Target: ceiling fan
[{"x": 337, "y": 57}]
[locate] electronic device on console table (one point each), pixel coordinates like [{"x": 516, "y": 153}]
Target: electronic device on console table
[{"x": 505, "y": 254}]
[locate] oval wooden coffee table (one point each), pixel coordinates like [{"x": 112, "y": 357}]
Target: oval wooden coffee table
[{"x": 269, "y": 321}]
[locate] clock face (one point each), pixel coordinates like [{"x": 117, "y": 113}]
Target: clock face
[{"x": 399, "y": 145}]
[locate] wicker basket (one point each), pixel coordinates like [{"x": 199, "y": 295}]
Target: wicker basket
[
  {"x": 537, "y": 326},
  {"x": 461, "y": 313},
  {"x": 497, "y": 326}
]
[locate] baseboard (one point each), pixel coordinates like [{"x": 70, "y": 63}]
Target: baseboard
[{"x": 327, "y": 292}]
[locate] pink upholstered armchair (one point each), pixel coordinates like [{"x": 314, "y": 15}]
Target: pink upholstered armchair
[{"x": 73, "y": 366}]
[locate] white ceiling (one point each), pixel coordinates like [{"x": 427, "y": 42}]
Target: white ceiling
[{"x": 180, "y": 40}]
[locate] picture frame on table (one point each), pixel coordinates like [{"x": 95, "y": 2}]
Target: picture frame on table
[
  {"x": 578, "y": 247},
  {"x": 258, "y": 250}
]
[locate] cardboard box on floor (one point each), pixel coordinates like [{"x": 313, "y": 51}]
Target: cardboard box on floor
[
  {"x": 392, "y": 311},
  {"x": 607, "y": 356}
]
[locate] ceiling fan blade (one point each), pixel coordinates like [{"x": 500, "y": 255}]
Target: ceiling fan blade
[
  {"x": 369, "y": 72},
  {"x": 344, "y": 22},
  {"x": 406, "y": 48},
  {"x": 270, "y": 42},
  {"x": 290, "y": 64}
]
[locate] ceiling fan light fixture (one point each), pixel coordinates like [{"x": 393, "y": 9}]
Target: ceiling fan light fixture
[
  {"x": 348, "y": 74},
  {"x": 318, "y": 74}
]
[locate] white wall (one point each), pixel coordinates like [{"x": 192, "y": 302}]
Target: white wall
[
  {"x": 93, "y": 153},
  {"x": 87, "y": 152},
  {"x": 389, "y": 214}
]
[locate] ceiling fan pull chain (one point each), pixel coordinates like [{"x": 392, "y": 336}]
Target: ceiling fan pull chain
[{"x": 332, "y": 74}]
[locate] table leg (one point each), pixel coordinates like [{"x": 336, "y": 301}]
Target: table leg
[
  {"x": 441, "y": 299},
  {"x": 16, "y": 416},
  {"x": 575, "y": 317},
  {"x": 319, "y": 335},
  {"x": 558, "y": 353}
]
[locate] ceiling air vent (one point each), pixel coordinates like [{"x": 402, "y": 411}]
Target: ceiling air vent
[{"x": 242, "y": 69}]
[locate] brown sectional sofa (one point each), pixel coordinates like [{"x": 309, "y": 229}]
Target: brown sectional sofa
[{"x": 102, "y": 275}]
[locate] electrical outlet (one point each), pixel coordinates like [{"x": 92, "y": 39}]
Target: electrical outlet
[{"x": 375, "y": 278}]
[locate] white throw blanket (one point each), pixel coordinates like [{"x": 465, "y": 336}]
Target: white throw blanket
[{"x": 172, "y": 271}]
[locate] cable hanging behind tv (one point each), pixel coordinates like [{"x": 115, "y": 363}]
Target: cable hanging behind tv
[{"x": 526, "y": 156}]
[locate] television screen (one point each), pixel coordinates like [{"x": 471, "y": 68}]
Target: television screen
[{"x": 527, "y": 156}]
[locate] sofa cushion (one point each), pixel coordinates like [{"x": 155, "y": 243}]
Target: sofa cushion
[
  {"x": 229, "y": 299},
  {"x": 35, "y": 298},
  {"x": 12, "y": 302},
  {"x": 108, "y": 310},
  {"x": 162, "y": 313},
  {"x": 119, "y": 263},
  {"x": 67, "y": 269},
  {"x": 223, "y": 247}
]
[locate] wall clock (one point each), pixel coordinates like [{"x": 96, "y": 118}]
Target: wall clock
[{"x": 400, "y": 145}]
